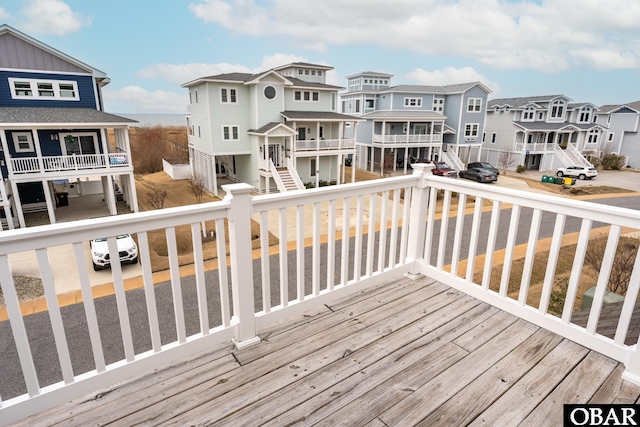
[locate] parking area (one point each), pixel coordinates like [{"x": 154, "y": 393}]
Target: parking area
[{"x": 627, "y": 179}]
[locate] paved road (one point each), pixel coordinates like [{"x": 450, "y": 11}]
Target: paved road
[{"x": 41, "y": 338}]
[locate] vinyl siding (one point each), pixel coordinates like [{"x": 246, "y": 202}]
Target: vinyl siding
[
  {"x": 84, "y": 83},
  {"x": 19, "y": 54},
  {"x": 323, "y": 103}
]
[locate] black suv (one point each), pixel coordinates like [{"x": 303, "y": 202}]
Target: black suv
[{"x": 483, "y": 165}]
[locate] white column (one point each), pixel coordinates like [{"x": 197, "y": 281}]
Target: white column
[
  {"x": 36, "y": 144},
  {"x": 18, "y": 204},
  {"x": 381, "y": 160},
  {"x": 51, "y": 209},
  {"x": 134, "y": 194},
  {"x": 417, "y": 215},
  {"x": 241, "y": 263},
  {"x": 105, "y": 145},
  {"x": 353, "y": 163}
]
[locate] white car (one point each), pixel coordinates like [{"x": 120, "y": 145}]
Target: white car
[
  {"x": 127, "y": 249},
  {"x": 581, "y": 172}
]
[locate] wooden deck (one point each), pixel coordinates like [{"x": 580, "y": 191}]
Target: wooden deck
[{"x": 405, "y": 353}]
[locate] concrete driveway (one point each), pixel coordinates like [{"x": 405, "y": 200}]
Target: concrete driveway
[{"x": 63, "y": 266}]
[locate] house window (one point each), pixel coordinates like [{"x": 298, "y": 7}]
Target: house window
[
  {"x": 357, "y": 105},
  {"x": 300, "y": 72},
  {"x": 528, "y": 114},
  {"x": 540, "y": 115},
  {"x": 474, "y": 105},
  {"x": 299, "y": 95},
  {"x": 368, "y": 103},
  {"x": 199, "y": 134},
  {"x": 228, "y": 96},
  {"x": 471, "y": 130},
  {"x": 312, "y": 167},
  {"x": 23, "y": 142},
  {"x": 557, "y": 110},
  {"x": 610, "y": 136},
  {"x": 313, "y": 72},
  {"x": 306, "y": 72},
  {"x": 585, "y": 115},
  {"x": 438, "y": 104},
  {"x": 79, "y": 143},
  {"x": 413, "y": 102},
  {"x": 44, "y": 89},
  {"x": 493, "y": 137},
  {"x": 347, "y": 125},
  {"x": 230, "y": 133},
  {"x": 593, "y": 136},
  {"x": 196, "y": 95},
  {"x": 319, "y": 73},
  {"x": 321, "y": 132},
  {"x": 269, "y": 92}
]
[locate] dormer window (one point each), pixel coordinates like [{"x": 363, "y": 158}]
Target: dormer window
[
  {"x": 64, "y": 90},
  {"x": 557, "y": 110},
  {"x": 528, "y": 114},
  {"x": 585, "y": 115}
]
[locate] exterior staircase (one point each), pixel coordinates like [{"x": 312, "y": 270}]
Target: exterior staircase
[
  {"x": 571, "y": 156},
  {"x": 286, "y": 178},
  {"x": 451, "y": 159}
]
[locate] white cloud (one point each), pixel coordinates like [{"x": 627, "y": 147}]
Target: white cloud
[
  {"x": 4, "y": 15},
  {"x": 451, "y": 75},
  {"x": 134, "y": 99},
  {"x": 52, "y": 17},
  {"x": 547, "y": 36},
  {"x": 183, "y": 73}
]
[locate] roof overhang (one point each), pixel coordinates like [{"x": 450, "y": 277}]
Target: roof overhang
[
  {"x": 56, "y": 118},
  {"x": 396, "y": 115}
]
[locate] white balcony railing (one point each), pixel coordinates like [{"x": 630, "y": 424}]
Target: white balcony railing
[
  {"x": 407, "y": 139},
  {"x": 243, "y": 296},
  {"x": 324, "y": 144},
  {"x": 535, "y": 146},
  {"x": 44, "y": 164}
]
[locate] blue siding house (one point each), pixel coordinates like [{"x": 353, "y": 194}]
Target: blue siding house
[
  {"x": 54, "y": 142},
  {"x": 430, "y": 122}
]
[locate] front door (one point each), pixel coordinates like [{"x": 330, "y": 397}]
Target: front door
[
  {"x": 302, "y": 134},
  {"x": 274, "y": 154}
]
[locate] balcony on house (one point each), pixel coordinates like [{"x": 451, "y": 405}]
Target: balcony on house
[
  {"x": 409, "y": 140},
  {"x": 324, "y": 144},
  {"x": 338, "y": 305},
  {"x": 115, "y": 159}
]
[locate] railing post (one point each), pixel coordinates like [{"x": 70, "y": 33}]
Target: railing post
[
  {"x": 418, "y": 218},
  {"x": 241, "y": 263},
  {"x": 632, "y": 371}
]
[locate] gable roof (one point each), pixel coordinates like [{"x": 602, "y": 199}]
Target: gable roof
[
  {"x": 246, "y": 78},
  {"x": 270, "y": 127},
  {"x": 524, "y": 101},
  {"x": 633, "y": 106},
  {"x": 304, "y": 64},
  {"x": 10, "y": 59},
  {"x": 438, "y": 90}
]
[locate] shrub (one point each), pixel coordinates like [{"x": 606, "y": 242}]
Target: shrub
[
  {"x": 521, "y": 168},
  {"x": 558, "y": 296},
  {"x": 151, "y": 144},
  {"x": 613, "y": 161},
  {"x": 623, "y": 261},
  {"x": 156, "y": 197}
]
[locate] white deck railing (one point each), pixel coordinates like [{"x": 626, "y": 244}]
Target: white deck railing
[
  {"x": 244, "y": 297},
  {"x": 22, "y": 165},
  {"x": 535, "y": 146},
  {"x": 408, "y": 139},
  {"x": 324, "y": 144}
]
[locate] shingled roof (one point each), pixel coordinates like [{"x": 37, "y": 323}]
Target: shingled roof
[{"x": 50, "y": 115}]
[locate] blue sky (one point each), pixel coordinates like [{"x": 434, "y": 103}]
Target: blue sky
[{"x": 588, "y": 50}]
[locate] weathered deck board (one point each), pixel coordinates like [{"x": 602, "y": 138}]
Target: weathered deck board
[{"x": 404, "y": 353}]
